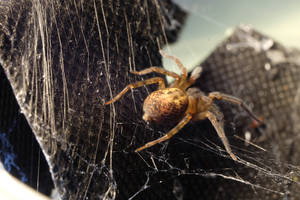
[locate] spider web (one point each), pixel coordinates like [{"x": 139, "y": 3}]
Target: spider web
[{"x": 64, "y": 59}]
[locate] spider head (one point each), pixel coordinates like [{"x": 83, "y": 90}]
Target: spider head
[{"x": 165, "y": 106}]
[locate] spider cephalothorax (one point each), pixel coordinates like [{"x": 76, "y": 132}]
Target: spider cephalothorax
[{"x": 179, "y": 104}]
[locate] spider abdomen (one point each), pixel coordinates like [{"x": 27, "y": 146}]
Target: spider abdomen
[{"x": 165, "y": 106}]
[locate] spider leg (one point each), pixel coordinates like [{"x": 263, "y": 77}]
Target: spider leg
[
  {"x": 178, "y": 63},
  {"x": 233, "y": 100},
  {"x": 157, "y": 70},
  {"x": 159, "y": 80},
  {"x": 216, "y": 119},
  {"x": 168, "y": 135}
]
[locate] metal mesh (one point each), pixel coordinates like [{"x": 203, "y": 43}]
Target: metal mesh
[{"x": 266, "y": 75}]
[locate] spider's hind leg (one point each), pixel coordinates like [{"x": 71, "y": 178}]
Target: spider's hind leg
[{"x": 168, "y": 135}]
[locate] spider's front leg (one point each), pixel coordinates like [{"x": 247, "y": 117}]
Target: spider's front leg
[
  {"x": 233, "y": 100},
  {"x": 218, "y": 125},
  {"x": 168, "y": 135},
  {"x": 178, "y": 63},
  {"x": 157, "y": 70},
  {"x": 216, "y": 119},
  {"x": 159, "y": 80}
]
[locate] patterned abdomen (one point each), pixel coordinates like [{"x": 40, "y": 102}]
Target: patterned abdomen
[{"x": 165, "y": 106}]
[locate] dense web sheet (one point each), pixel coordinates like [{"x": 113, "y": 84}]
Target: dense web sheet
[{"x": 64, "y": 59}]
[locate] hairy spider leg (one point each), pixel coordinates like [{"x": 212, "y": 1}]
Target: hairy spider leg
[
  {"x": 159, "y": 80},
  {"x": 177, "y": 61},
  {"x": 157, "y": 70},
  {"x": 168, "y": 135},
  {"x": 216, "y": 119},
  {"x": 233, "y": 100},
  {"x": 184, "y": 75},
  {"x": 218, "y": 124}
]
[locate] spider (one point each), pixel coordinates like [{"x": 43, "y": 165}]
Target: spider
[{"x": 180, "y": 104}]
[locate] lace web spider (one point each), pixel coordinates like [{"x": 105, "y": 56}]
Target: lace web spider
[{"x": 179, "y": 104}]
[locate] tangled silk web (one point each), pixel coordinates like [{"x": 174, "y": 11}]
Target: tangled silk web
[{"x": 64, "y": 59}]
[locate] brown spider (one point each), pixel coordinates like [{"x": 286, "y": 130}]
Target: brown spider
[{"x": 178, "y": 104}]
